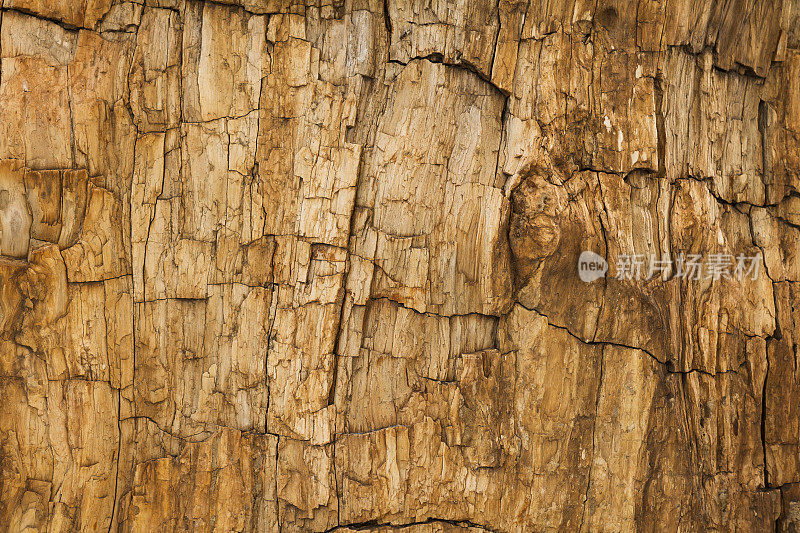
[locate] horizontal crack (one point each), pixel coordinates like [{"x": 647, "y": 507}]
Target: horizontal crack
[
  {"x": 374, "y": 524},
  {"x": 621, "y": 345},
  {"x": 463, "y": 65}
]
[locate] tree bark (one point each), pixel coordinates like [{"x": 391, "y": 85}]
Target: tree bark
[{"x": 315, "y": 266}]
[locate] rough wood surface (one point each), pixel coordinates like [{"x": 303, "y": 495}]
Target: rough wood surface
[{"x": 311, "y": 266}]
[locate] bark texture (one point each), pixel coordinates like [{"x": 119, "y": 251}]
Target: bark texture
[{"x": 311, "y": 266}]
